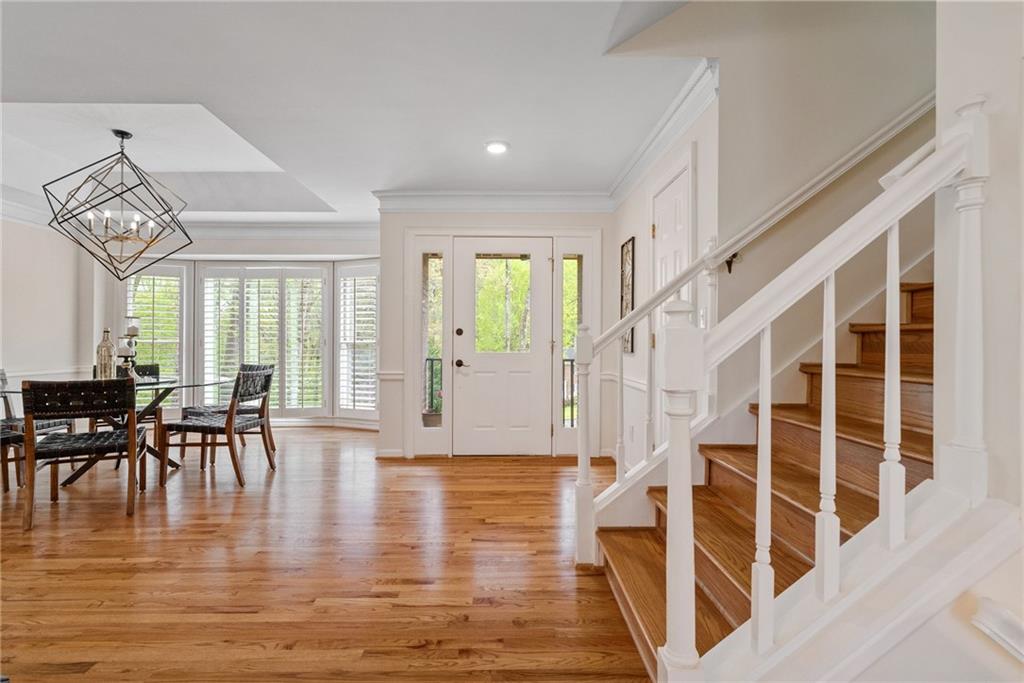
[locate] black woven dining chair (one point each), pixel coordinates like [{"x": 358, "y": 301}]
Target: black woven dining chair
[
  {"x": 243, "y": 409},
  {"x": 250, "y": 387},
  {"x": 14, "y": 423},
  {"x": 113, "y": 399},
  {"x": 10, "y": 439}
]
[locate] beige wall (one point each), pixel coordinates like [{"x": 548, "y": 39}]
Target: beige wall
[
  {"x": 980, "y": 47},
  {"x": 801, "y": 84},
  {"x": 42, "y": 287}
]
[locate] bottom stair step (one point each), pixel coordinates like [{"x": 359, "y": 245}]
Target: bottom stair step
[{"x": 635, "y": 566}]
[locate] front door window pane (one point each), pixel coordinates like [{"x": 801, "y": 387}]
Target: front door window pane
[{"x": 502, "y": 303}]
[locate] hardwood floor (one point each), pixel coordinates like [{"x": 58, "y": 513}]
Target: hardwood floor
[{"x": 338, "y": 566}]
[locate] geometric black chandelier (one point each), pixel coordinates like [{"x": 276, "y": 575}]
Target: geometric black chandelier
[{"x": 117, "y": 212}]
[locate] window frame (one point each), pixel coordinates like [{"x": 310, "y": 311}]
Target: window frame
[
  {"x": 281, "y": 270},
  {"x": 182, "y": 271},
  {"x": 344, "y": 270}
]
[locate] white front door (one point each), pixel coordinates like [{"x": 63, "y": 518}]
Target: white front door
[
  {"x": 502, "y": 346},
  {"x": 674, "y": 249}
]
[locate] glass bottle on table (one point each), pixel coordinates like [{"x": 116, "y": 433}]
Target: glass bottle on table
[{"x": 105, "y": 357}]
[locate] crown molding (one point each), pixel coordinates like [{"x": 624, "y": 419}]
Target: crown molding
[
  {"x": 398, "y": 201},
  {"x": 24, "y": 207},
  {"x": 699, "y": 91},
  {"x": 696, "y": 95},
  {"x": 30, "y": 209},
  {"x": 290, "y": 230}
]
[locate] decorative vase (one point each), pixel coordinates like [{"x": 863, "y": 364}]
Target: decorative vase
[{"x": 105, "y": 357}]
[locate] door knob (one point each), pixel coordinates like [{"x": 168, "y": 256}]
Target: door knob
[{"x": 460, "y": 364}]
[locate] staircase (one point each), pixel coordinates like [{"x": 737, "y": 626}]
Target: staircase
[{"x": 724, "y": 508}]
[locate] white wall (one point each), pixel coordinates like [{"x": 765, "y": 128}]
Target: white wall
[
  {"x": 633, "y": 219},
  {"x": 980, "y": 47},
  {"x": 948, "y": 647}
]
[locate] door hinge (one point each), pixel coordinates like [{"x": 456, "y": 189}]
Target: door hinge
[
  {"x": 654, "y": 338},
  {"x": 654, "y": 230}
]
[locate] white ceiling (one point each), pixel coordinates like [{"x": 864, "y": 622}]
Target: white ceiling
[{"x": 301, "y": 110}]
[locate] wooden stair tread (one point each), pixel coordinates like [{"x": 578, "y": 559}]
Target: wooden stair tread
[
  {"x": 913, "y": 444},
  {"x": 861, "y": 328},
  {"x": 851, "y": 370},
  {"x": 659, "y": 494},
  {"x": 727, "y": 535},
  {"x": 637, "y": 556},
  {"x": 798, "y": 485},
  {"x": 916, "y": 286}
]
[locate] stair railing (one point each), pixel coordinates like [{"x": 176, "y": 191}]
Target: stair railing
[{"x": 958, "y": 157}]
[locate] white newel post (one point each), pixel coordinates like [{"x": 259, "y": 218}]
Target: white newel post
[
  {"x": 683, "y": 362},
  {"x": 826, "y": 523},
  {"x": 586, "y": 550},
  {"x": 762, "y": 574},
  {"x": 892, "y": 507},
  {"x": 965, "y": 460}
]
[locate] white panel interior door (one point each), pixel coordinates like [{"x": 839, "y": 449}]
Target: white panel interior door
[
  {"x": 502, "y": 346},
  {"x": 674, "y": 249}
]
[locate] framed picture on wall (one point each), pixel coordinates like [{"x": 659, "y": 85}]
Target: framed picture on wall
[{"x": 626, "y": 300}]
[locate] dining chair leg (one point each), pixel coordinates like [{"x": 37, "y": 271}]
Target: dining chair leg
[
  {"x": 182, "y": 447},
  {"x": 202, "y": 452},
  {"x": 270, "y": 435},
  {"x": 4, "y": 450},
  {"x": 117, "y": 463},
  {"x": 142, "y": 457},
  {"x": 163, "y": 444},
  {"x": 132, "y": 483},
  {"x": 213, "y": 449},
  {"x": 29, "y": 498},
  {"x": 54, "y": 482},
  {"x": 241, "y": 439},
  {"x": 234, "y": 459},
  {"x": 19, "y": 469},
  {"x": 267, "y": 449}
]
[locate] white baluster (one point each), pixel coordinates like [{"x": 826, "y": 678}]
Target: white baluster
[
  {"x": 586, "y": 543},
  {"x": 762, "y": 579},
  {"x": 891, "y": 473},
  {"x": 826, "y": 523},
  {"x": 620, "y": 448},
  {"x": 649, "y": 417},
  {"x": 963, "y": 463},
  {"x": 684, "y": 368}
]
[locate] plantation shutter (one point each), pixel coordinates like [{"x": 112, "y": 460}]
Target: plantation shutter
[
  {"x": 222, "y": 353},
  {"x": 303, "y": 326},
  {"x": 263, "y": 326},
  {"x": 357, "y": 348},
  {"x": 155, "y": 298}
]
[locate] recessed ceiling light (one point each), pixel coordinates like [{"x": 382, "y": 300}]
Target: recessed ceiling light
[{"x": 496, "y": 147}]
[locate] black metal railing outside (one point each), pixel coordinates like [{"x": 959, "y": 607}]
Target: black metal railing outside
[
  {"x": 432, "y": 386},
  {"x": 569, "y": 395}
]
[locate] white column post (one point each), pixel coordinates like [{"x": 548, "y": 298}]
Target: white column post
[
  {"x": 891, "y": 473},
  {"x": 586, "y": 543},
  {"x": 964, "y": 461},
  {"x": 826, "y": 523},
  {"x": 762, "y": 574},
  {"x": 620, "y": 422},
  {"x": 678, "y": 658}
]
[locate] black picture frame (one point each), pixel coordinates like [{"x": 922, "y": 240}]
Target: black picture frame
[{"x": 627, "y": 270}]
